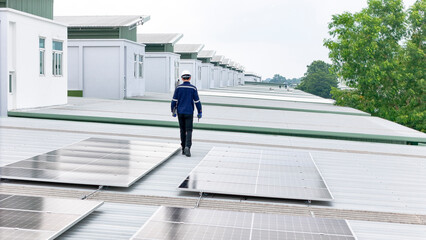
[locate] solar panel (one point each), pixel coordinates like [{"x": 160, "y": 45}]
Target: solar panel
[
  {"x": 261, "y": 173},
  {"x": 94, "y": 161},
  {"x": 24, "y": 217},
  {"x": 202, "y": 224}
]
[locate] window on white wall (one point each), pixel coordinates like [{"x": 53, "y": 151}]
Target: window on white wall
[
  {"x": 57, "y": 58},
  {"x": 135, "y": 65},
  {"x": 10, "y": 83},
  {"x": 140, "y": 64},
  {"x": 42, "y": 49},
  {"x": 176, "y": 70}
]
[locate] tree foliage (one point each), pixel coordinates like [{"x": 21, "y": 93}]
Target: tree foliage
[
  {"x": 278, "y": 79},
  {"x": 318, "y": 80},
  {"x": 380, "y": 53}
]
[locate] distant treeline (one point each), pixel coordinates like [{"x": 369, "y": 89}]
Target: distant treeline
[{"x": 280, "y": 79}]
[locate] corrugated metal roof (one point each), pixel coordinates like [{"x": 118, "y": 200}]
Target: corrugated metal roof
[
  {"x": 217, "y": 58},
  {"x": 206, "y": 54},
  {"x": 264, "y": 103},
  {"x": 159, "y": 38},
  {"x": 188, "y": 48},
  {"x": 102, "y": 21},
  {"x": 368, "y": 180},
  {"x": 277, "y": 121},
  {"x": 226, "y": 61},
  {"x": 375, "y": 185}
]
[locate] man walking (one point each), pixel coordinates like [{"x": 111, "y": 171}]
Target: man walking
[{"x": 183, "y": 101}]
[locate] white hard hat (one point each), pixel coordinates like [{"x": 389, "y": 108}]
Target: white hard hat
[{"x": 185, "y": 72}]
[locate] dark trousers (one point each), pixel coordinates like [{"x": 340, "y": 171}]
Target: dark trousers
[{"x": 185, "y": 125}]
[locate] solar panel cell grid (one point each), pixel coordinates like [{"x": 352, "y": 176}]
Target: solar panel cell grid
[
  {"x": 264, "y": 173},
  {"x": 39, "y": 204},
  {"x": 35, "y": 220},
  {"x": 21, "y": 234},
  {"x": 94, "y": 161},
  {"x": 24, "y": 217},
  {"x": 179, "y": 223}
]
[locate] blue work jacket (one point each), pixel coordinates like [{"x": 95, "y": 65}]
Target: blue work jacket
[{"x": 184, "y": 98}]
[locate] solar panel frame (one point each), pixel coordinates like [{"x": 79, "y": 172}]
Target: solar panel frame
[
  {"x": 83, "y": 163},
  {"x": 233, "y": 165},
  {"x": 183, "y": 223},
  {"x": 26, "y": 216}
]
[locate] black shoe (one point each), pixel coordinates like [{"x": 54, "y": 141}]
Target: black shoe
[{"x": 187, "y": 152}]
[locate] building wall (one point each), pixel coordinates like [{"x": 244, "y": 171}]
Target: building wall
[
  {"x": 236, "y": 78},
  {"x": 217, "y": 75},
  {"x": 42, "y": 8},
  {"x": 241, "y": 78},
  {"x": 206, "y": 75},
  {"x": 19, "y": 56},
  {"x": 162, "y": 72},
  {"x": 129, "y": 34},
  {"x": 106, "y": 68},
  {"x": 230, "y": 78},
  {"x": 251, "y": 78},
  {"x": 193, "y": 66},
  {"x": 224, "y": 78}
]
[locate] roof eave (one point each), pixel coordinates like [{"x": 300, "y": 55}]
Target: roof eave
[
  {"x": 138, "y": 22},
  {"x": 176, "y": 39}
]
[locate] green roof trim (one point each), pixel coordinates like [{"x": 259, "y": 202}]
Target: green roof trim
[
  {"x": 41, "y": 8},
  {"x": 261, "y": 107},
  {"x": 231, "y": 128},
  {"x": 204, "y": 60},
  {"x": 159, "y": 47},
  {"x": 102, "y": 33},
  {"x": 188, "y": 55},
  {"x": 75, "y": 93}
]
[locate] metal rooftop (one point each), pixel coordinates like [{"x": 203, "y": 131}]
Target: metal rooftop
[
  {"x": 206, "y": 54},
  {"x": 226, "y": 61},
  {"x": 159, "y": 38},
  {"x": 379, "y": 188},
  {"x": 188, "y": 48},
  {"x": 217, "y": 58},
  {"x": 251, "y": 74},
  {"x": 102, "y": 21}
]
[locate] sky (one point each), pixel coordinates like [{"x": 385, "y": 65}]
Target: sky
[{"x": 267, "y": 37}]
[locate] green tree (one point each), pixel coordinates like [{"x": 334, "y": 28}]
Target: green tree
[
  {"x": 318, "y": 80},
  {"x": 379, "y": 52},
  {"x": 278, "y": 79}
]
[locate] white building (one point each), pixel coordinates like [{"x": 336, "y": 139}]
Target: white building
[
  {"x": 252, "y": 77},
  {"x": 240, "y": 75},
  {"x": 207, "y": 72},
  {"x": 106, "y": 68},
  {"x": 217, "y": 71},
  {"x": 234, "y": 80},
  {"x": 188, "y": 61},
  {"x": 33, "y": 61},
  {"x": 161, "y": 63},
  {"x": 104, "y": 61},
  {"x": 226, "y": 73}
]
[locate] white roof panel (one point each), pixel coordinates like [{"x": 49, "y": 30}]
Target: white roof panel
[
  {"x": 188, "y": 48},
  {"x": 102, "y": 21},
  {"x": 159, "y": 38},
  {"x": 206, "y": 54},
  {"x": 218, "y": 58}
]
